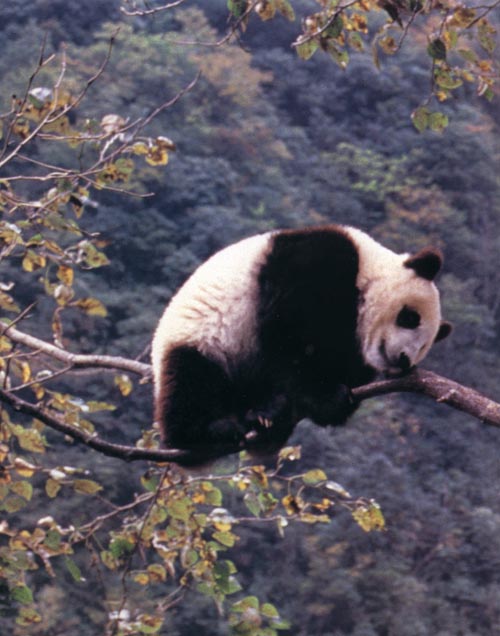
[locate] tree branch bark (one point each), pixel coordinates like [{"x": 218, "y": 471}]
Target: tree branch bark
[
  {"x": 77, "y": 360},
  {"x": 440, "y": 389}
]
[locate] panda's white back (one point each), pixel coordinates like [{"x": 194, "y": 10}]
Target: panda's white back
[{"x": 215, "y": 310}]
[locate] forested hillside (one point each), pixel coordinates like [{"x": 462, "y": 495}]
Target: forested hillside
[{"x": 264, "y": 140}]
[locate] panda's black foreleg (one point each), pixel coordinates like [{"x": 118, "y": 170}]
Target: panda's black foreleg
[
  {"x": 330, "y": 407},
  {"x": 199, "y": 412}
]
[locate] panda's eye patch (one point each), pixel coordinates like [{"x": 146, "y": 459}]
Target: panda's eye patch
[{"x": 408, "y": 318}]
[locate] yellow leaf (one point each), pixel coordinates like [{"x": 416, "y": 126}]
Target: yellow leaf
[
  {"x": 91, "y": 306},
  {"x": 22, "y": 488},
  {"x": 157, "y": 156},
  {"x": 25, "y": 372},
  {"x": 65, "y": 274},
  {"x": 313, "y": 477},
  {"x": 291, "y": 504},
  {"x": 140, "y": 148},
  {"x": 198, "y": 498},
  {"x": 52, "y": 487},
  {"x": 33, "y": 261},
  {"x": 142, "y": 578},
  {"x": 157, "y": 573},
  {"x": 4, "y": 450},
  {"x": 86, "y": 486},
  {"x": 23, "y": 468},
  {"x": 7, "y": 302},
  {"x": 222, "y": 526},
  {"x": 29, "y": 439},
  {"x": 265, "y": 10},
  {"x": 369, "y": 516},
  {"x": 124, "y": 384}
]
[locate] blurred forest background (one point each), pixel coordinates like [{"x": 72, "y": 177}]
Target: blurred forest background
[{"x": 267, "y": 140}]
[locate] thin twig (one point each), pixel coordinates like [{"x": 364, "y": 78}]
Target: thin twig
[{"x": 145, "y": 12}]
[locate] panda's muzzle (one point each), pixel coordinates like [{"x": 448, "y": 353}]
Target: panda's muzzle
[{"x": 394, "y": 367}]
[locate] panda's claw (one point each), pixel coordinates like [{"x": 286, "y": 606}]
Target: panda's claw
[{"x": 264, "y": 421}]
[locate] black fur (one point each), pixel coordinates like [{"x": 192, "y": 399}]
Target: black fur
[{"x": 308, "y": 357}]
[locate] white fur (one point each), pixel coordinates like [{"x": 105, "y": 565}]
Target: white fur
[
  {"x": 215, "y": 310},
  {"x": 386, "y": 285}
]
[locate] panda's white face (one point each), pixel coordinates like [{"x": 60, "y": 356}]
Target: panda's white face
[
  {"x": 399, "y": 337},
  {"x": 399, "y": 316}
]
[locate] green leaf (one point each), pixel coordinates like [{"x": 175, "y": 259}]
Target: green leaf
[
  {"x": 306, "y": 49},
  {"x": 252, "y": 503},
  {"x": 28, "y": 616},
  {"x": 73, "y": 569},
  {"x": 86, "y": 486},
  {"x": 339, "y": 56},
  {"x": 313, "y": 477},
  {"x": 22, "y": 488},
  {"x": 447, "y": 80},
  {"x": 249, "y": 602},
  {"x": 486, "y": 33},
  {"x": 227, "y": 539},
  {"x": 438, "y": 121},
  {"x": 286, "y": 9},
  {"x": 14, "y": 504},
  {"x": 150, "y": 624},
  {"x": 269, "y": 611},
  {"x": 150, "y": 481},
  {"x": 236, "y": 7},
  {"x": 335, "y": 29},
  {"x": 420, "y": 118},
  {"x": 180, "y": 509},
  {"x": 267, "y": 502},
  {"x": 437, "y": 49},
  {"x": 22, "y": 594},
  {"x": 120, "y": 547},
  {"x": 213, "y": 497},
  {"x": 53, "y": 540}
]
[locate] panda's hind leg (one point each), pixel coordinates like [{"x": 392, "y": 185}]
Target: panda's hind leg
[{"x": 195, "y": 405}]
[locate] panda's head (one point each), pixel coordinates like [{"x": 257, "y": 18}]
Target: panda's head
[{"x": 399, "y": 315}]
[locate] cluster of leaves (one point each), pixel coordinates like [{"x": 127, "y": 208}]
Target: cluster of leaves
[
  {"x": 43, "y": 204},
  {"x": 461, "y": 40},
  {"x": 172, "y": 537}
]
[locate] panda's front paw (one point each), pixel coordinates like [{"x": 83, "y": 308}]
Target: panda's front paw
[
  {"x": 332, "y": 407},
  {"x": 345, "y": 402},
  {"x": 265, "y": 415},
  {"x": 228, "y": 430}
]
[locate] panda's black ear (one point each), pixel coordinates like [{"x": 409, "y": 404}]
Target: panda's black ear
[
  {"x": 426, "y": 263},
  {"x": 445, "y": 328}
]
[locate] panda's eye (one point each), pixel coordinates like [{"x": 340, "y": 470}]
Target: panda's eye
[{"x": 408, "y": 318}]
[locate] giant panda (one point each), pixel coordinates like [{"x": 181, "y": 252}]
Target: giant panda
[{"x": 281, "y": 326}]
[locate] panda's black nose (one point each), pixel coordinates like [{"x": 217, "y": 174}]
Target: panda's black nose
[{"x": 404, "y": 362}]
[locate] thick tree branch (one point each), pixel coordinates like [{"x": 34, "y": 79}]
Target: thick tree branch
[
  {"x": 420, "y": 381},
  {"x": 76, "y": 360},
  {"x": 440, "y": 389}
]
